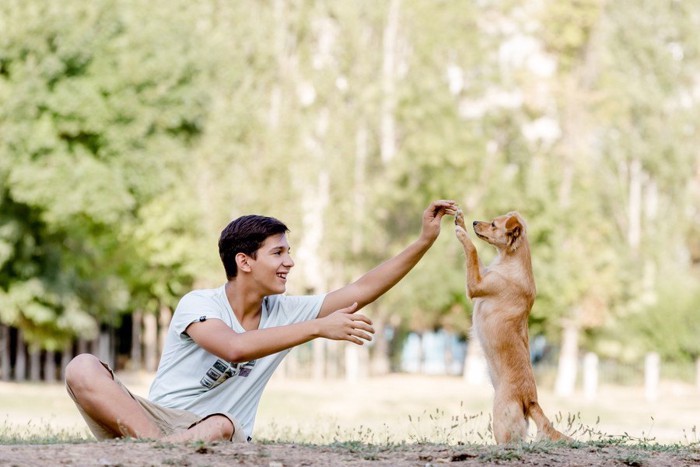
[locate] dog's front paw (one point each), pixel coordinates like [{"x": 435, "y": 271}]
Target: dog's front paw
[
  {"x": 459, "y": 219},
  {"x": 462, "y": 235}
]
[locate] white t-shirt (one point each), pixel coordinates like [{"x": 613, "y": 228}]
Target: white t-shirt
[{"x": 193, "y": 379}]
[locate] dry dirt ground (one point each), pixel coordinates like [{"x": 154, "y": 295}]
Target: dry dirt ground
[{"x": 131, "y": 453}]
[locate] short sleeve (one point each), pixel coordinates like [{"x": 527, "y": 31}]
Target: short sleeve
[
  {"x": 285, "y": 309},
  {"x": 194, "y": 307}
]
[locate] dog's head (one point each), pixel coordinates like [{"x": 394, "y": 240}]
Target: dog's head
[{"x": 505, "y": 232}]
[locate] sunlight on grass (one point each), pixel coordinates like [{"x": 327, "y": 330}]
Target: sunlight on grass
[
  {"x": 40, "y": 433},
  {"x": 392, "y": 410}
]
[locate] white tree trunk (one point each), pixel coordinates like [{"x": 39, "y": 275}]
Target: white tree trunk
[
  {"x": 333, "y": 363},
  {"x": 475, "y": 366},
  {"x": 590, "y": 376},
  {"x": 356, "y": 362},
  {"x": 380, "y": 364},
  {"x": 163, "y": 324},
  {"x": 652, "y": 371},
  {"x": 150, "y": 341},
  {"x": 634, "y": 228},
  {"x": 389, "y": 67},
  {"x": 568, "y": 360},
  {"x": 319, "y": 359}
]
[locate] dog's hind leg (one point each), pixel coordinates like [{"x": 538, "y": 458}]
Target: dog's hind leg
[
  {"x": 509, "y": 421},
  {"x": 545, "y": 429}
]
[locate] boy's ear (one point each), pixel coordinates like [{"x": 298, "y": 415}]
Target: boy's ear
[{"x": 242, "y": 262}]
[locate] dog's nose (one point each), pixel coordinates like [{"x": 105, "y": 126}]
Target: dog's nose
[{"x": 474, "y": 223}]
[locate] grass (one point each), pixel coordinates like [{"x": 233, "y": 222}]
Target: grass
[
  {"x": 389, "y": 412},
  {"x": 32, "y": 433}
]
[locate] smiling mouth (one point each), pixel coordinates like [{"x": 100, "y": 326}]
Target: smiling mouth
[{"x": 282, "y": 276}]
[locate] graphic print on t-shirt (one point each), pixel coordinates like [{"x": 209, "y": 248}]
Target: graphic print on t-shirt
[{"x": 221, "y": 370}]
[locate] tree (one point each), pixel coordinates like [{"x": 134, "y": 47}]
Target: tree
[{"x": 98, "y": 110}]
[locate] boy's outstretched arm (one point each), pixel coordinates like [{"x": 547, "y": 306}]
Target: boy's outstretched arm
[
  {"x": 376, "y": 282},
  {"x": 217, "y": 338}
]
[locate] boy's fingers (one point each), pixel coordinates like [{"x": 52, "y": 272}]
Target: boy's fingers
[
  {"x": 362, "y": 318},
  {"x": 363, "y": 326},
  {"x": 363, "y": 335}
]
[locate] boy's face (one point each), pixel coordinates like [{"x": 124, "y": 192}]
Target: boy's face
[{"x": 271, "y": 265}]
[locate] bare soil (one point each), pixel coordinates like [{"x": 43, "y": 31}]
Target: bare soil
[{"x": 133, "y": 453}]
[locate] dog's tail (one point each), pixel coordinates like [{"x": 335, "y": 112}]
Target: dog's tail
[{"x": 545, "y": 429}]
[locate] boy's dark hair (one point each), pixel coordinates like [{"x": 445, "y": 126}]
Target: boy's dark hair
[{"x": 245, "y": 235}]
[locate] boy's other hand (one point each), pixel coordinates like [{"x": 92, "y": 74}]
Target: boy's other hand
[{"x": 346, "y": 325}]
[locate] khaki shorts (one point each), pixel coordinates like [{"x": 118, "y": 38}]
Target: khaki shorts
[{"x": 168, "y": 420}]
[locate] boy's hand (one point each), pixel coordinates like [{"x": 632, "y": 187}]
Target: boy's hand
[
  {"x": 433, "y": 215},
  {"x": 345, "y": 325}
]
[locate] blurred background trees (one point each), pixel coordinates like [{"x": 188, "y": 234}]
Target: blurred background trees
[{"x": 131, "y": 132}]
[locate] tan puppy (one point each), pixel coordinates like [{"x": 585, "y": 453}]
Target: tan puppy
[{"x": 503, "y": 294}]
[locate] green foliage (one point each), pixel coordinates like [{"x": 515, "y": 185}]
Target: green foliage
[
  {"x": 132, "y": 132},
  {"x": 98, "y": 112},
  {"x": 669, "y": 324}
]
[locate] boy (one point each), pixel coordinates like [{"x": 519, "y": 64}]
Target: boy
[{"x": 224, "y": 344}]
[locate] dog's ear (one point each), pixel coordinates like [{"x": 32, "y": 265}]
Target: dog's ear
[{"x": 514, "y": 230}]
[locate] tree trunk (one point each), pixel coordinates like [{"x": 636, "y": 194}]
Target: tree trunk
[
  {"x": 66, "y": 357},
  {"x": 333, "y": 364},
  {"x": 590, "y": 376},
  {"x": 568, "y": 359},
  {"x": 356, "y": 362},
  {"x": 5, "y": 364},
  {"x": 34, "y": 364},
  {"x": 380, "y": 350},
  {"x": 634, "y": 228},
  {"x": 389, "y": 65},
  {"x": 104, "y": 347},
  {"x": 21, "y": 358},
  {"x": 50, "y": 367},
  {"x": 163, "y": 324},
  {"x": 136, "y": 352},
  {"x": 319, "y": 358},
  {"x": 291, "y": 364},
  {"x": 475, "y": 366},
  {"x": 652, "y": 371},
  {"x": 315, "y": 199},
  {"x": 150, "y": 341}
]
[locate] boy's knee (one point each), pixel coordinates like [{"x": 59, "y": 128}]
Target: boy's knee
[{"x": 83, "y": 370}]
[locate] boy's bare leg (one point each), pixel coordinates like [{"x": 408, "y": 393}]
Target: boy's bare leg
[
  {"x": 214, "y": 428},
  {"x": 105, "y": 401}
]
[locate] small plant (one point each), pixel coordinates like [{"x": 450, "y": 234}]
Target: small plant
[
  {"x": 456, "y": 429},
  {"x": 633, "y": 459}
]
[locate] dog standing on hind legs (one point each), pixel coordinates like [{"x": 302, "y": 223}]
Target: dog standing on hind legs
[{"x": 503, "y": 294}]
